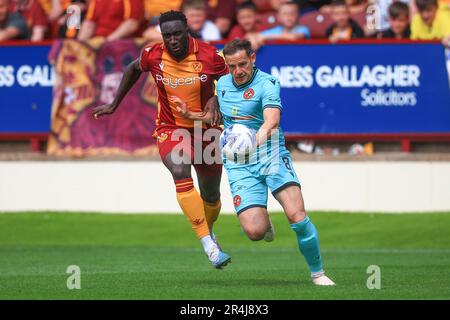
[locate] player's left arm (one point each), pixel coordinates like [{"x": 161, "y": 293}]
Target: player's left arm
[{"x": 271, "y": 103}]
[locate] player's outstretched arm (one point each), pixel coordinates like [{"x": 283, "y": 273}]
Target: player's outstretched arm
[{"x": 129, "y": 78}]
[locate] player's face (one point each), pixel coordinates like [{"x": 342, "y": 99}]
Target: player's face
[
  {"x": 175, "y": 37},
  {"x": 3, "y": 10},
  {"x": 241, "y": 66}
]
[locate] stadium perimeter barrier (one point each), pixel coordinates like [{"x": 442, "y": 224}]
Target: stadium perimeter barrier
[{"x": 367, "y": 90}]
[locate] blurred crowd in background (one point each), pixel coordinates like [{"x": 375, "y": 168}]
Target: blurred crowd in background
[{"x": 215, "y": 20}]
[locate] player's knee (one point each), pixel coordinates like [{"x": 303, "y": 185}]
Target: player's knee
[
  {"x": 211, "y": 197},
  {"x": 296, "y": 215},
  {"x": 255, "y": 234}
]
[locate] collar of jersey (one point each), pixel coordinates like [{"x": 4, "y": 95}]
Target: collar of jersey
[{"x": 255, "y": 71}]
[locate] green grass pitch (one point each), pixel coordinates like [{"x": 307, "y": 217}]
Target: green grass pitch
[{"x": 158, "y": 257}]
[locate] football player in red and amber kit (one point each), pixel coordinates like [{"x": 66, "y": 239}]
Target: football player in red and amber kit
[{"x": 183, "y": 68}]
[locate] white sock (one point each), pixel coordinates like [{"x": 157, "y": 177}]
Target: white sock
[
  {"x": 317, "y": 274},
  {"x": 207, "y": 243}
]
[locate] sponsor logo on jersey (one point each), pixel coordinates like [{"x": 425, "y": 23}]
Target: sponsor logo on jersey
[{"x": 176, "y": 82}]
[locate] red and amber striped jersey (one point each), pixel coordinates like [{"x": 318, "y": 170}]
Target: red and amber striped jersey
[{"x": 192, "y": 79}]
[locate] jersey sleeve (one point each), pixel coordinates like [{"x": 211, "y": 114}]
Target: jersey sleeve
[
  {"x": 220, "y": 68},
  {"x": 144, "y": 59},
  {"x": 271, "y": 94}
]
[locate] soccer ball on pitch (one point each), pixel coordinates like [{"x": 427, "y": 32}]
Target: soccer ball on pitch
[{"x": 237, "y": 141}]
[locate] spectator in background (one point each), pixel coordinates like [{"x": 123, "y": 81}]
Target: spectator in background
[
  {"x": 46, "y": 5},
  {"x": 344, "y": 27},
  {"x": 59, "y": 16},
  {"x": 431, "y": 22},
  {"x": 289, "y": 29},
  {"x": 382, "y": 14},
  {"x": 113, "y": 20},
  {"x": 196, "y": 13},
  {"x": 246, "y": 21},
  {"x": 355, "y": 7},
  {"x": 34, "y": 16},
  {"x": 12, "y": 25},
  {"x": 221, "y": 13},
  {"x": 398, "y": 21},
  {"x": 154, "y": 8},
  {"x": 199, "y": 28},
  {"x": 309, "y": 5}
]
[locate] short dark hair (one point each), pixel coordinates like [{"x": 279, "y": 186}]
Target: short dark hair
[
  {"x": 398, "y": 9},
  {"x": 172, "y": 16},
  {"x": 237, "y": 45},
  {"x": 289, "y": 2},
  {"x": 424, "y": 4},
  {"x": 246, "y": 5},
  {"x": 338, "y": 3},
  {"x": 194, "y": 4}
]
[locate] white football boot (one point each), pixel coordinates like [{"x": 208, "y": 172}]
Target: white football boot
[{"x": 320, "y": 279}]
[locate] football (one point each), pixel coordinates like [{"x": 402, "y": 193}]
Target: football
[{"x": 237, "y": 141}]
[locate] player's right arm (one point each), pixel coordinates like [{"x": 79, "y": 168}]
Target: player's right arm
[{"x": 129, "y": 78}]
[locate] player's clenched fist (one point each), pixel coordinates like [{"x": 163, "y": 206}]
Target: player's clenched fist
[{"x": 103, "y": 110}]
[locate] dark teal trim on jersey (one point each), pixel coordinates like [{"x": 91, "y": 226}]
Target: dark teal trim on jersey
[
  {"x": 273, "y": 106},
  {"x": 255, "y": 71}
]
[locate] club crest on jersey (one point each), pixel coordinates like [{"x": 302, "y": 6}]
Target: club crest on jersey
[
  {"x": 162, "y": 137},
  {"x": 197, "y": 66},
  {"x": 237, "y": 201},
  {"x": 234, "y": 111},
  {"x": 249, "y": 93}
]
